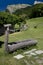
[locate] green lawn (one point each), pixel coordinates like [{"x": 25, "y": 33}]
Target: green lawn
[{"x": 31, "y": 33}]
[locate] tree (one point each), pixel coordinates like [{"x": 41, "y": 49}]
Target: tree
[{"x": 7, "y": 18}]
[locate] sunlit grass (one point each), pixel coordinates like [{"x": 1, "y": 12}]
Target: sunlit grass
[{"x": 30, "y": 33}]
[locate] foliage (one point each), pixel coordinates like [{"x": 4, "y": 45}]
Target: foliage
[
  {"x": 7, "y": 18},
  {"x": 37, "y": 11}
]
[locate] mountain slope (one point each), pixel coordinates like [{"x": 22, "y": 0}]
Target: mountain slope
[{"x": 13, "y": 8}]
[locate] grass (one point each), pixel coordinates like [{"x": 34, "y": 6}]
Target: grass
[{"x": 31, "y": 33}]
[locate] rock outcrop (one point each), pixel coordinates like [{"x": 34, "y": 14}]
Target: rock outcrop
[{"x": 13, "y": 8}]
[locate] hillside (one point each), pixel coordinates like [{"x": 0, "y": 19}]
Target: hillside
[
  {"x": 26, "y": 10},
  {"x": 31, "y": 11},
  {"x": 13, "y": 8},
  {"x": 23, "y": 11},
  {"x": 30, "y": 33}
]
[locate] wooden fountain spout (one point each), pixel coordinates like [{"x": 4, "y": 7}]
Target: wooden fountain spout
[{"x": 19, "y": 44}]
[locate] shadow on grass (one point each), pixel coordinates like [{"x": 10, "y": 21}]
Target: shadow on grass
[{"x": 1, "y": 44}]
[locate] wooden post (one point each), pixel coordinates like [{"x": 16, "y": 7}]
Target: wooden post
[{"x": 6, "y": 37}]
